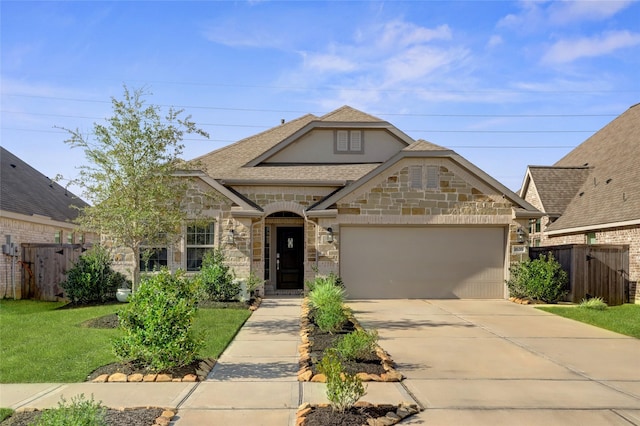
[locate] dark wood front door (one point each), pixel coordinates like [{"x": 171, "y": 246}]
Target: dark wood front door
[{"x": 289, "y": 258}]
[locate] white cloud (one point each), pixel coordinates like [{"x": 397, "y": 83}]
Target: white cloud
[
  {"x": 494, "y": 40},
  {"x": 565, "y": 51},
  {"x": 539, "y": 15},
  {"x": 399, "y": 34},
  {"x": 328, "y": 62}
]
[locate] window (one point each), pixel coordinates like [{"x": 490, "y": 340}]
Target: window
[
  {"x": 152, "y": 259},
  {"x": 591, "y": 238},
  {"x": 349, "y": 141},
  {"x": 200, "y": 238},
  {"x": 70, "y": 238},
  {"x": 267, "y": 254},
  {"x": 415, "y": 177},
  {"x": 535, "y": 225},
  {"x": 433, "y": 177},
  {"x": 58, "y": 237}
]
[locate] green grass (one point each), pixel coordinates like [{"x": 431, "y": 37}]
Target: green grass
[
  {"x": 40, "y": 343},
  {"x": 623, "y": 319},
  {"x": 5, "y": 413}
]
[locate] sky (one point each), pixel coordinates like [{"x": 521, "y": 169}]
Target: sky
[{"x": 504, "y": 84}]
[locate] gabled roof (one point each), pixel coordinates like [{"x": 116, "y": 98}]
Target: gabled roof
[
  {"x": 26, "y": 191},
  {"x": 556, "y": 186},
  {"x": 241, "y": 161},
  {"x": 424, "y": 149},
  {"x": 610, "y": 194}
]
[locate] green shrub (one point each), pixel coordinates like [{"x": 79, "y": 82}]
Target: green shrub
[
  {"x": 216, "y": 277},
  {"x": 343, "y": 389},
  {"x": 541, "y": 279},
  {"x": 357, "y": 344},
  {"x": 79, "y": 412},
  {"x": 327, "y": 303},
  {"x": 158, "y": 323},
  {"x": 92, "y": 279},
  {"x": 595, "y": 303}
]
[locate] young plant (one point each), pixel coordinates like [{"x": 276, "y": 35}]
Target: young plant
[
  {"x": 217, "y": 277},
  {"x": 80, "y": 412},
  {"x": 158, "y": 323},
  {"x": 595, "y": 303},
  {"x": 541, "y": 279},
  {"x": 327, "y": 300},
  {"x": 357, "y": 344},
  {"x": 92, "y": 279},
  {"x": 343, "y": 389}
]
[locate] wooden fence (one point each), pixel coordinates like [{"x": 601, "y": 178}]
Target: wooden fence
[
  {"x": 44, "y": 267},
  {"x": 594, "y": 270}
]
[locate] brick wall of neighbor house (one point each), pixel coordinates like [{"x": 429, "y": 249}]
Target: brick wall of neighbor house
[
  {"x": 624, "y": 235},
  {"x": 23, "y": 231}
]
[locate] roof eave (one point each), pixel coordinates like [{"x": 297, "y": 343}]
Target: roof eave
[{"x": 587, "y": 228}]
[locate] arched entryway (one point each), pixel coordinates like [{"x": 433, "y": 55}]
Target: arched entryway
[{"x": 284, "y": 249}]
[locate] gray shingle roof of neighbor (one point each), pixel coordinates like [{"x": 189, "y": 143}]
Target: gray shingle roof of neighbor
[
  {"x": 610, "y": 193},
  {"x": 26, "y": 191},
  {"x": 556, "y": 186}
]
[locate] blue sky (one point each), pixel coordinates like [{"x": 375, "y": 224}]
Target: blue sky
[{"x": 505, "y": 84}]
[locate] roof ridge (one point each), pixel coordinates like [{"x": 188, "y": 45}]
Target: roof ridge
[{"x": 349, "y": 109}]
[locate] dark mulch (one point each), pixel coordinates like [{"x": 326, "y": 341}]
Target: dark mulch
[
  {"x": 320, "y": 341},
  {"x": 133, "y": 368},
  {"x": 138, "y": 416},
  {"x": 325, "y": 416}
]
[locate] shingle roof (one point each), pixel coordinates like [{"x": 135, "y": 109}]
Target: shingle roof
[
  {"x": 25, "y": 190},
  {"x": 230, "y": 162},
  {"x": 556, "y": 186},
  {"x": 422, "y": 145},
  {"x": 611, "y": 191}
]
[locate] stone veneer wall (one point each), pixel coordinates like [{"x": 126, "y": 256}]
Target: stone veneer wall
[{"x": 27, "y": 231}]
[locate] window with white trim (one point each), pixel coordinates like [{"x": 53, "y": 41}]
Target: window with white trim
[
  {"x": 200, "y": 238},
  {"x": 349, "y": 141},
  {"x": 153, "y": 258}
]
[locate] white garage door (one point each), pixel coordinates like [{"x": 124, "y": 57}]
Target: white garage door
[{"x": 422, "y": 262}]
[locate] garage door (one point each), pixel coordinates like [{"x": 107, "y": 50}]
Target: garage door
[{"x": 422, "y": 262}]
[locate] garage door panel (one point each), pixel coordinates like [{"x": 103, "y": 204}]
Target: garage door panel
[{"x": 422, "y": 262}]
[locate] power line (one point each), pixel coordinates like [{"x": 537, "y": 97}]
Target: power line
[{"x": 218, "y": 108}]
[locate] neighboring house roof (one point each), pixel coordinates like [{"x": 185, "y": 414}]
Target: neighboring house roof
[
  {"x": 556, "y": 186},
  {"x": 610, "y": 194},
  {"x": 26, "y": 191}
]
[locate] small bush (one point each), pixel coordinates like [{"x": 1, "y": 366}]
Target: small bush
[
  {"x": 357, "y": 345},
  {"x": 92, "y": 279},
  {"x": 343, "y": 389},
  {"x": 158, "y": 323},
  {"x": 541, "y": 279},
  {"x": 216, "y": 277},
  {"x": 80, "y": 412},
  {"x": 327, "y": 300},
  {"x": 595, "y": 303}
]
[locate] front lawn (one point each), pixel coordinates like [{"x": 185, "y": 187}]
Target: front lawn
[
  {"x": 40, "y": 343},
  {"x": 623, "y": 319}
]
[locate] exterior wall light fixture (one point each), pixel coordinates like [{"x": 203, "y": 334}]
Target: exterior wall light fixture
[
  {"x": 231, "y": 236},
  {"x": 520, "y": 235},
  {"x": 330, "y": 235}
]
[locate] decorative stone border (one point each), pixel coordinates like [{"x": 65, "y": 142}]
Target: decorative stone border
[
  {"x": 520, "y": 301},
  {"x": 201, "y": 374},
  {"x": 305, "y": 374},
  {"x": 255, "y": 304},
  {"x": 163, "y": 420},
  {"x": 395, "y": 413}
]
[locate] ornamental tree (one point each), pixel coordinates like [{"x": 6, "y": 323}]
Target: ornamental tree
[{"x": 129, "y": 180}]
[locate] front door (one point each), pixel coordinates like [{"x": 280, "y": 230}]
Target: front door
[{"x": 289, "y": 258}]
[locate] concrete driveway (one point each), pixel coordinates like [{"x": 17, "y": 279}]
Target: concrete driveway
[{"x": 493, "y": 362}]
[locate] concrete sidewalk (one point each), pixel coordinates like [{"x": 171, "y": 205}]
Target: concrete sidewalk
[
  {"x": 492, "y": 362},
  {"x": 254, "y": 382}
]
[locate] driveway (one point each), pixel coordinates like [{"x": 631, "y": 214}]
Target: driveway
[{"x": 493, "y": 362}]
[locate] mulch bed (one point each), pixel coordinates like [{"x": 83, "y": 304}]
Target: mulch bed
[
  {"x": 325, "y": 416},
  {"x": 136, "y": 416},
  {"x": 375, "y": 366}
]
